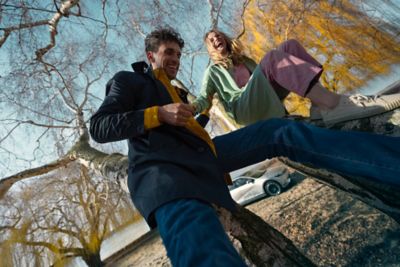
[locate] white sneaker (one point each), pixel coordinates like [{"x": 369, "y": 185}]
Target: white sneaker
[{"x": 359, "y": 106}]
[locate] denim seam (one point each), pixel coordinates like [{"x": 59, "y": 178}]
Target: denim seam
[
  {"x": 320, "y": 154},
  {"x": 348, "y": 159}
]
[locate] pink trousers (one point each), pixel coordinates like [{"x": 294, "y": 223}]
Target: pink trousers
[{"x": 290, "y": 68}]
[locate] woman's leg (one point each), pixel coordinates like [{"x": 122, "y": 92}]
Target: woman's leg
[
  {"x": 323, "y": 98},
  {"x": 291, "y": 68},
  {"x": 294, "y": 48},
  {"x": 290, "y": 72},
  {"x": 359, "y": 154},
  {"x": 319, "y": 95}
]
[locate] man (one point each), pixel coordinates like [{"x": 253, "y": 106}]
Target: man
[
  {"x": 176, "y": 171},
  {"x": 173, "y": 173}
]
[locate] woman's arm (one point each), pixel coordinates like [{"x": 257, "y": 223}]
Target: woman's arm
[{"x": 207, "y": 91}]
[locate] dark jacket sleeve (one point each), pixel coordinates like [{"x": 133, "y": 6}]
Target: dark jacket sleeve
[
  {"x": 117, "y": 119},
  {"x": 202, "y": 119}
]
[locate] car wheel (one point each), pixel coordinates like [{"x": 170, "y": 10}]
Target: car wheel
[{"x": 272, "y": 188}]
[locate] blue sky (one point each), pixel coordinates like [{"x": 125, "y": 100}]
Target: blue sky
[
  {"x": 380, "y": 82},
  {"x": 23, "y": 142}
]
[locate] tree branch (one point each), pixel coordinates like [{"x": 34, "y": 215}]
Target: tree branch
[
  {"x": 214, "y": 13},
  {"x": 7, "y": 31},
  {"x": 243, "y": 31},
  {"x": 380, "y": 196},
  {"x": 7, "y": 182},
  {"x": 64, "y": 11}
]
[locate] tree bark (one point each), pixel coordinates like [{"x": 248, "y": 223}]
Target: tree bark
[
  {"x": 93, "y": 260},
  {"x": 385, "y": 198},
  {"x": 260, "y": 243}
]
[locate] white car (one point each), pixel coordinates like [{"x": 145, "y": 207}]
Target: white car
[{"x": 246, "y": 189}]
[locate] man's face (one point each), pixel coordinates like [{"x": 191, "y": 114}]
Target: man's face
[{"x": 167, "y": 57}]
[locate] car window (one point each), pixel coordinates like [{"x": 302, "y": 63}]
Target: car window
[
  {"x": 241, "y": 181},
  {"x": 235, "y": 184}
]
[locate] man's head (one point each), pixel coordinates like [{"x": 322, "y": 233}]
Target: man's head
[{"x": 163, "y": 50}]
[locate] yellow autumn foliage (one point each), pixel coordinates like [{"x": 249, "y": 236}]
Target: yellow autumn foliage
[{"x": 352, "y": 46}]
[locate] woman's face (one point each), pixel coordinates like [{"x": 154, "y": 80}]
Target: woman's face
[{"x": 217, "y": 42}]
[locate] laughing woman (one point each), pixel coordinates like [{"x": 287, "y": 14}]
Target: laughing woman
[{"x": 250, "y": 92}]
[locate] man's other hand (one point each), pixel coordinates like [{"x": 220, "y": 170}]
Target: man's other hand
[{"x": 176, "y": 114}]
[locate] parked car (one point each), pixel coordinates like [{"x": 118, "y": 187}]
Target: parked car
[{"x": 246, "y": 189}]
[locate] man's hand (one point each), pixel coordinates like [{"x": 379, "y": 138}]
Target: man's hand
[{"x": 176, "y": 114}]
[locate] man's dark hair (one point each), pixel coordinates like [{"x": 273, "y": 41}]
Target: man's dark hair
[{"x": 162, "y": 35}]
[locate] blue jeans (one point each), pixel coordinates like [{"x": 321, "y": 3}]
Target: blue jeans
[
  {"x": 366, "y": 155},
  {"x": 193, "y": 235}
]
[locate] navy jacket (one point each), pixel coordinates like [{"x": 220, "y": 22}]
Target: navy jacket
[{"x": 166, "y": 162}]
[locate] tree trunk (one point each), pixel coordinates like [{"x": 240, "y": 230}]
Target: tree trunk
[
  {"x": 385, "y": 198},
  {"x": 93, "y": 260},
  {"x": 259, "y": 243}
]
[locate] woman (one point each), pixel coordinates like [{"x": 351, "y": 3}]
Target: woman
[{"x": 251, "y": 92}]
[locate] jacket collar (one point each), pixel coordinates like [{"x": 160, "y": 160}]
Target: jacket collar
[
  {"x": 143, "y": 67},
  {"x": 140, "y": 66}
]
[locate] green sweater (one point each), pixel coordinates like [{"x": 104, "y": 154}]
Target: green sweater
[{"x": 255, "y": 101}]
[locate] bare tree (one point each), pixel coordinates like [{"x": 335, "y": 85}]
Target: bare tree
[
  {"x": 67, "y": 217},
  {"x": 60, "y": 54}
]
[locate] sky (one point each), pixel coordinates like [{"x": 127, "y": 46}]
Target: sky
[
  {"x": 380, "y": 82},
  {"x": 24, "y": 138}
]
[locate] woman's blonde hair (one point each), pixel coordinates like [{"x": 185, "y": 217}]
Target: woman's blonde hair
[{"x": 233, "y": 46}]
